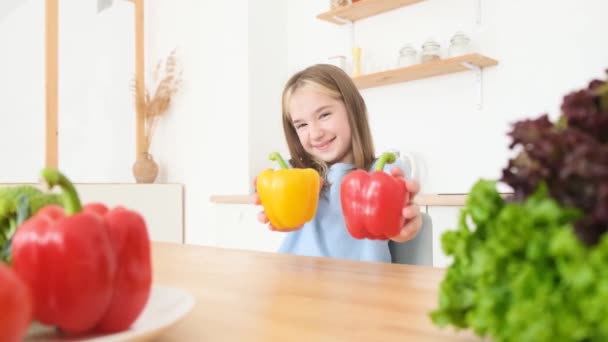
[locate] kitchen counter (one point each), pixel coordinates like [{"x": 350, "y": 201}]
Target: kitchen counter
[
  {"x": 421, "y": 199},
  {"x": 258, "y": 296}
]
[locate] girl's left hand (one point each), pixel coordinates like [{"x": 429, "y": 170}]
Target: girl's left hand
[{"x": 411, "y": 212}]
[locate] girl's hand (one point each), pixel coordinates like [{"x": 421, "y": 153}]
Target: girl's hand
[
  {"x": 412, "y": 221},
  {"x": 262, "y": 218}
]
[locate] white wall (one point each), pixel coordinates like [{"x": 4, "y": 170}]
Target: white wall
[
  {"x": 267, "y": 73},
  {"x": 219, "y": 131},
  {"x": 7, "y": 6},
  {"x": 96, "y": 116},
  {"x": 203, "y": 141},
  {"x": 22, "y": 92},
  {"x": 544, "y": 48}
]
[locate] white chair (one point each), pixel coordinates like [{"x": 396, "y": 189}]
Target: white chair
[{"x": 419, "y": 250}]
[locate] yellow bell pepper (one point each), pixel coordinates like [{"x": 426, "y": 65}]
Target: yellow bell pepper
[{"x": 289, "y": 196}]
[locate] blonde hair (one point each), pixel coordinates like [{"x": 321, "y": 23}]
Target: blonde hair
[{"x": 334, "y": 82}]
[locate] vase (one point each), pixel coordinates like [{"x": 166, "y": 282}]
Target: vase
[{"x": 145, "y": 168}]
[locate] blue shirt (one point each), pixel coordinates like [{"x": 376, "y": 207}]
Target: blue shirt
[{"x": 326, "y": 234}]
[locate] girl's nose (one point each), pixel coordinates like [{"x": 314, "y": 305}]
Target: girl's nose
[{"x": 316, "y": 132}]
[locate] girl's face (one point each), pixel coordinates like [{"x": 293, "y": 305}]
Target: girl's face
[{"x": 322, "y": 125}]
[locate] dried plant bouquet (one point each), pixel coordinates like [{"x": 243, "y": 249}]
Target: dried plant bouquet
[{"x": 166, "y": 81}]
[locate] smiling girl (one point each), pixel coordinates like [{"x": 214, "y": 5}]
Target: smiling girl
[{"x": 326, "y": 128}]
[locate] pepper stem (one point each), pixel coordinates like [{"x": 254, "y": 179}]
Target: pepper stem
[
  {"x": 388, "y": 157},
  {"x": 72, "y": 203},
  {"x": 276, "y": 156}
]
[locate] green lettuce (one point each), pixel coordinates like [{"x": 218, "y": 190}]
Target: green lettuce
[{"x": 519, "y": 273}]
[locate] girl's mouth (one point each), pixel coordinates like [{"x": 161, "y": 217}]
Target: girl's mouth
[{"x": 324, "y": 146}]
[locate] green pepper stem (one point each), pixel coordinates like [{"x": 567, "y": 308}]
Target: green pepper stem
[
  {"x": 276, "y": 156},
  {"x": 388, "y": 157},
  {"x": 70, "y": 195}
]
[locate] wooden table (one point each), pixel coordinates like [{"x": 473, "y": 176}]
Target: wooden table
[{"x": 256, "y": 296}]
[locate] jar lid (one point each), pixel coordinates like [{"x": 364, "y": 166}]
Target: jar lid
[
  {"x": 430, "y": 43},
  {"x": 460, "y": 37},
  {"x": 407, "y": 50}
]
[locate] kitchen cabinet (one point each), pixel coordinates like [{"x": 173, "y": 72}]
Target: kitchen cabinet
[
  {"x": 161, "y": 205},
  {"x": 235, "y": 219},
  {"x": 444, "y": 218},
  {"x": 236, "y": 226}
]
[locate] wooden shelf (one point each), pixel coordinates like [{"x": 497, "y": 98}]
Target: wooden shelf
[
  {"x": 425, "y": 70},
  {"x": 362, "y": 9}
]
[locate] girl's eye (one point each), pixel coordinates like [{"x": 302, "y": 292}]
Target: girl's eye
[
  {"x": 324, "y": 115},
  {"x": 300, "y": 125}
]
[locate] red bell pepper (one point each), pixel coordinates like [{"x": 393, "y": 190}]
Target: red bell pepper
[
  {"x": 66, "y": 260},
  {"x": 133, "y": 280},
  {"x": 372, "y": 203},
  {"x": 15, "y": 306}
]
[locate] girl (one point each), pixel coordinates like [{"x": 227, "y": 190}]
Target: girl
[{"x": 326, "y": 128}]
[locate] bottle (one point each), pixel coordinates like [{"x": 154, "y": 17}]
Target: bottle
[
  {"x": 459, "y": 45},
  {"x": 430, "y": 51},
  {"x": 407, "y": 56},
  {"x": 356, "y": 61}
]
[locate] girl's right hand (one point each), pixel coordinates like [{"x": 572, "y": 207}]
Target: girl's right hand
[{"x": 262, "y": 218}]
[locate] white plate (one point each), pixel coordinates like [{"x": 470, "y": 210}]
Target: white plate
[{"x": 165, "y": 306}]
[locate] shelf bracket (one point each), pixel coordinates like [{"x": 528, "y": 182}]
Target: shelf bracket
[
  {"x": 342, "y": 20},
  {"x": 478, "y": 81}
]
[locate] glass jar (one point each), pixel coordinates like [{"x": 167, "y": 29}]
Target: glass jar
[
  {"x": 407, "y": 56},
  {"x": 459, "y": 45},
  {"x": 430, "y": 51},
  {"x": 339, "y": 61}
]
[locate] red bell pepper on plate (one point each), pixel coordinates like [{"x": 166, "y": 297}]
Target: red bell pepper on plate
[
  {"x": 66, "y": 260},
  {"x": 372, "y": 203}
]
